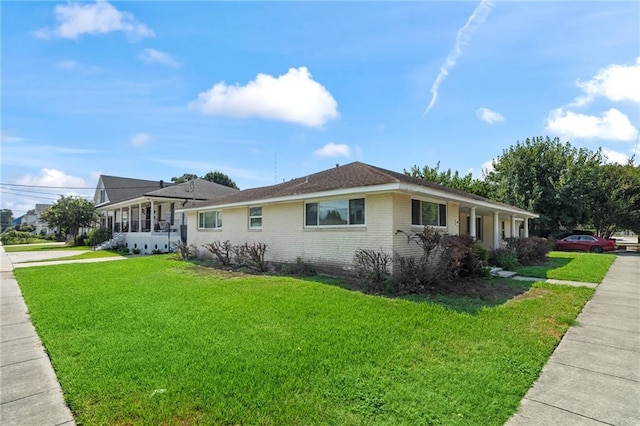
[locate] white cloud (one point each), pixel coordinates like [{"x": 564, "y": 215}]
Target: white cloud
[
  {"x": 476, "y": 19},
  {"x": 614, "y": 82},
  {"x": 8, "y": 137},
  {"x": 333, "y": 150},
  {"x": 67, "y": 65},
  {"x": 293, "y": 97},
  {"x": 612, "y": 125},
  {"x": 614, "y": 157},
  {"x": 76, "y": 19},
  {"x": 141, "y": 139},
  {"x": 156, "y": 56},
  {"x": 489, "y": 116},
  {"x": 52, "y": 177}
]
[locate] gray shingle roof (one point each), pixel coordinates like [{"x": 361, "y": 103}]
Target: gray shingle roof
[
  {"x": 352, "y": 175},
  {"x": 122, "y": 189}
]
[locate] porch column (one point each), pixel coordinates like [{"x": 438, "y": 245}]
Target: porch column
[
  {"x": 121, "y": 221},
  {"x": 139, "y": 217},
  {"x": 526, "y": 227},
  {"x": 513, "y": 226},
  {"x": 472, "y": 223},
  {"x": 129, "y": 220},
  {"x": 113, "y": 222},
  {"x": 496, "y": 230},
  {"x": 153, "y": 218}
]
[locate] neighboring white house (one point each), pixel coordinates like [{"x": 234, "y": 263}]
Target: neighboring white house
[
  {"x": 325, "y": 217},
  {"x": 142, "y": 213},
  {"x": 33, "y": 219}
]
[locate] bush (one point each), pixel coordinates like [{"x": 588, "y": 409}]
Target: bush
[
  {"x": 251, "y": 255},
  {"x": 504, "y": 258},
  {"x": 184, "y": 251},
  {"x": 445, "y": 258},
  {"x": 17, "y": 237},
  {"x": 136, "y": 250},
  {"x": 372, "y": 269},
  {"x": 530, "y": 251},
  {"x": 97, "y": 236},
  {"x": 221, "y": 250}
]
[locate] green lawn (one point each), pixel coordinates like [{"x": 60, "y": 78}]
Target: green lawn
[
  {"x": 88, "y": 255},
  {"x": 571, "y": 266},
  {"x": 157, "y": 341},
  {"x": 42, "y": 247}
]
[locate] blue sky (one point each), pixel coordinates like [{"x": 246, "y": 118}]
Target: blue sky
[{"x": 270, "y": 91}]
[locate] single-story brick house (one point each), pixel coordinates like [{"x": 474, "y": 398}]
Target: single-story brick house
[{"x": 325, "y": 217}]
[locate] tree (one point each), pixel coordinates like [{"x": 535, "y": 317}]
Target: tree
[
  {"x": 550, "y": 178},
  {"x": 71, "y": 213},
  {"x": 453, "y": 180},
  {"x": 184, "y": 178},
  {"x": 6, "y": 219},
  {"x": 614, "y": 200},
  {"x": 220, "y": 178},
  {"x": 217, "y": 177}
]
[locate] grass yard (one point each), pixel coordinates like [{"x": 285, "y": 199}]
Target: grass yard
[
  {"x": 42, "y": 247},
  {"x": 571, "y": 266},
  {"x": 88, "y": 255},
  {"x": 157, "y": 341}
]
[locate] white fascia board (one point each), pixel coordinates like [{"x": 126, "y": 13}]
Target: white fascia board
[
  {"x": 134, "y": 202},
  {"x": 364, "y": 190},
  {"x": 501, "y": 208}
]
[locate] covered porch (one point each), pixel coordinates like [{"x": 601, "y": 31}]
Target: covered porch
[
  {"x": 147, "y": 224},
  {"x": 490, "y": 225}
]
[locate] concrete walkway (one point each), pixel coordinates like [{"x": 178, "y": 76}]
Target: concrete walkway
[
  {"x": 29, "y": 390},
  {"x": 593, "y": 376}
]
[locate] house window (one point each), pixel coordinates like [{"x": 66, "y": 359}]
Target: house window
[
  {"x": 425, "y": 213},
  {"x": 210, "y": 220},
  {"x": 255, "y": 217},
  {"x": 103, "y": 196},
  {"x": 478, "y": 227},
  {"x": 335, "y": 213}
]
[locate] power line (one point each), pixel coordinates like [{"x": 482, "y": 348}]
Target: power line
[{"x": 157, "y": 186}]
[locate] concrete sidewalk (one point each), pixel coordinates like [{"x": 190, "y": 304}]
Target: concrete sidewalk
[
  {"x": 29, "y": 390},
  {"x": 593, "y": 376}
]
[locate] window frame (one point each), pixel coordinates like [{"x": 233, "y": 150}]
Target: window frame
[
  {"x": 250, "y": 217},
  {"x": 353, "y": 218},
  {"x": 440, "y": 207},
  {"x": 217, "y": 221}
]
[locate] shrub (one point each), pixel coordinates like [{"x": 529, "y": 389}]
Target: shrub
[
  {"x": 444, "y": 258},
  {"x": 221, "y": 250},
  {"x": 184, "y": 251},
  {"x": 136, "y": 250},
  {"x": 251, "y": 255},
  {"x": 372, "y": 269},
  {"x": 504, "y": 258},
  {"x": 97, "y": 236},
  {"x": 17, "y": 237},
  {"x": 530, "y": 251}
]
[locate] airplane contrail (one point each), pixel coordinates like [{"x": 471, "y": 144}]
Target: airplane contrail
[{"x": 478, "y": 16}]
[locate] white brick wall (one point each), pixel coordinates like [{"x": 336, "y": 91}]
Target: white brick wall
[{"x": 286, "y": 237}]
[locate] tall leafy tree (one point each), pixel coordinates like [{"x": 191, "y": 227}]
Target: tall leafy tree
[
  {"x": 549, "y": 177},
  {"x": 6, "y": 217},
  {"x": 184, "y": 178},
  {"x": 71, "y": 213},
  {"x": 614, "y": 200},
  {"x": 451, "y": 179},
  {"x": 220, "y": 178}
]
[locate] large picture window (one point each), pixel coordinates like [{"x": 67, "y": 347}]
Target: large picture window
[
  {"x": 335, "y": 213},
  {"x": 425, "y": 213},
  {"x": 210, "y": 220},
  {"x": 255, "y": 217}
]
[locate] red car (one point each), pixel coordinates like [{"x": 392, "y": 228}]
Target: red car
[{"x": 585, "y": 243}]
